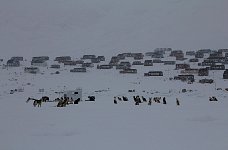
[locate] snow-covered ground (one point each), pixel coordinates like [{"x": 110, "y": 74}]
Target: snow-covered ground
[{"x": 195, "y": 124}]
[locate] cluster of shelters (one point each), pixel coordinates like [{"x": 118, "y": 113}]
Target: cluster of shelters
[
  {"x": 14, "y": 61},
  {"x": 127, "y": 63},
  {"x": 40, "y": 61}
]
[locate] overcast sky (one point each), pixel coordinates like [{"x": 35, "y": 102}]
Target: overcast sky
[{"x": 52, "y": 27}]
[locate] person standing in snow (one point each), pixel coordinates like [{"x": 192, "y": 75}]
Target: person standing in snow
[
  {"x": 177, "y": 102},
  {"x": 164, "y": 101},
  {"x": 150, "y": 101},
  {"x": 115, "y": 101}
]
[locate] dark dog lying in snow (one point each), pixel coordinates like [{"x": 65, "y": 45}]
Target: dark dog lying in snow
[{"x": 91, "y": 98}]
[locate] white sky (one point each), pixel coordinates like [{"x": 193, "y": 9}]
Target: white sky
[{"x": 52, "y": 27}]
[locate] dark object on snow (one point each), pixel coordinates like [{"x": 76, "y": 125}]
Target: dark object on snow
[
  {"x": 184, "y": 90},
  {"x": 36, "y": 102},
  {"x": 157, "y": 99},
  {"x": 144, "y": 99},
  {"x": 225, "y": 74},
  {"x": 63, "y": 102},
  {"x": 91, "y": 98},
  {"x": 150, "y": 101},
  {"x": 77, "y": 101},
  {"x": 45, "y": 98},
  {"x": 206, "y": 81},
  {"x": 164, "y": 101},
  {"x": 119, "y": 98},
  {"x": 136, "y": 103},
  {"x": 125, "y": 98},
  {"x": 131, "y": 90},
  {"x": 213, "y": 98},
  {"x": 177, "y": 102},
  {"x": 115, "y": 101},
  {"x": 137, "y": 100}
]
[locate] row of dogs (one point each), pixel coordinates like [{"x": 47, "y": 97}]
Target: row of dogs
[
  {"x": 139, "y": 100},
  {"x": 62, "y": 102},
  {"x": 66, "y": 101}
]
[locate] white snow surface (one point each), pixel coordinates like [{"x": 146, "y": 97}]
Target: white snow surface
[
  {"x": 195, "y": 124},
  {"x": 56, "y": 27}
]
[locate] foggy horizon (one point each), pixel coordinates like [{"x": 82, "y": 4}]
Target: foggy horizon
[{"x": 98, "y": 26}]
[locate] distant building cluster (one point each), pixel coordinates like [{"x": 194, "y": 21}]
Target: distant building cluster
[{"x": 127, "y": 63}]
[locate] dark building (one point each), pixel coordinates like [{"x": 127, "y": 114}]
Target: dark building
[
  {"x": 148, "y": 63},
  {"x": 185, "y": 78},
  {"x": 149, "y": 53},
  {"x": 114, "y": 61},
  {"x": 13, "y": 63},
  {"x": 55, "y": 66},
  {"x": 226, "y": 55},
  {"x": 206, "y": 81},
  {"x": 176, "y": 52},
  {"x": 127, "y": 55},
  {"x": 104, "y": 66},
  {"x": 199, "y": 55},
  {"x": 130, "y": 71},
  {"x": 207, "y": 63},
  {"x": 101, "y": 58},
  {"x": 180, "y": 56},
  {"x": 138, "y": 56},
  {"x": 121, "y": 56},
  {"x": 215, "y": 59},
  {"x": 44, "y": 58},
  {"x": 194, "y": 60},
  {"x": 182, "y": 66},
  {"x": 78, "y": 70},
  {"x": 17, "y": 58},
  {"x": 215, "y": 54},
  {"x": 154, "y": 73},
  {"x": 125, "y": 63},
  {"x": 163, "y": 50},
  {"x": 39, "y": 62},
  {"x": 95, "y": 60},
  {"x": 137, "y": 63},
  {"x": 119, "y": 66},
  {"x": 190, "y": 53},
  {"x": 61, "y": 59},
  {"x": 88, "y": 56},
  {"x": 217, "y": 67},
  {"x": 157, "y": 61},
  {"x": 225, "y": 74},
  {"x": 70, "y": 63},
  {"x": 79, "y": 61},
  {"x": 84, "y": 65},
  {"x": 157, "y": 54},
  {"x": 203, "y": 72},
  {"x": 205, "y": 51},
  {"x": 169, "y": 62},
  {"x": 33, "y": 70},
  {"x": 223, "y": 50}
]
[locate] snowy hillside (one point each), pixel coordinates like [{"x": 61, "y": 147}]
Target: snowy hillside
[
  {"x": 56, "y": 27},
  {"x": 196, "y": 123}
]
